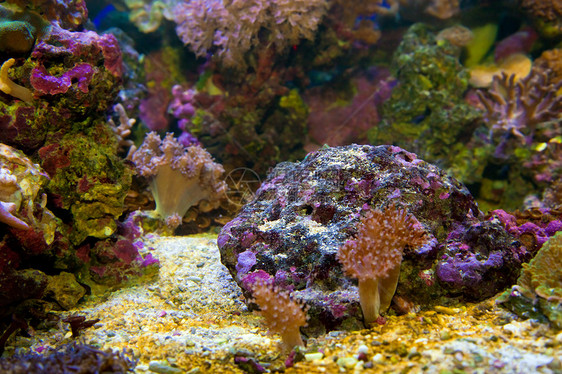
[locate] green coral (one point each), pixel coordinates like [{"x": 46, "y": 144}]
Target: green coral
[
  {"x": 20, "y": 29},
  {"x": 426, "y": 112},
  {"x": 538, "y": 291},
  {"x": 543, "y": 276},
  {"x": 92, "y": 184}
]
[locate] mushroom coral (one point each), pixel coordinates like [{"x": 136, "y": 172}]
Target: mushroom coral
[
  {"x": 374, "y": 256},
  {"x": 181, "y": 177}
]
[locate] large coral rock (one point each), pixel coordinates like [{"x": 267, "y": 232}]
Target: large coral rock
[{"x": 305, "y": 211}]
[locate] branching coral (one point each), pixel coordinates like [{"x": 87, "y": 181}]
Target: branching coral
[
  {"x": 375, "y": 254},
  {"x": 180, "y": 177},
  {"x": 282, "y": 314},
  {"x": 518, "y": 107},
  {"x": 232, "y": 27},
  {"x": 124, "y": 129}
]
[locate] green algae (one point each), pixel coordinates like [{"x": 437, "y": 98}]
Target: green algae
[
  {"x": 538, "y": 293},
  {"x": 426, "y": 112},
  {"x": 91, "y": 182}
]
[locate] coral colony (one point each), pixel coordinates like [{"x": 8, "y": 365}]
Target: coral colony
[
  {"x": 409, "y": 218},
  {"x": 374, "y": 256}
]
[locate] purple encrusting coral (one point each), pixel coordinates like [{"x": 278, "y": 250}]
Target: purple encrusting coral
[
  {"x": 540, "y": 232},
  {"x": 305, "y": 211}
]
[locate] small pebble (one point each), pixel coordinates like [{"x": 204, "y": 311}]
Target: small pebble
[
  {"x": 195, "y": 279},
  {"x": 163, "y": 368},
  {"x": 313, "y": 356},
  {"x": 446, "y": 310},
  {"x": 347, "y": 362},
  {"x": 363, "y": 349}
]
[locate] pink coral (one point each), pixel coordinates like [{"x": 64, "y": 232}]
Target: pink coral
[
  {"x": 180, "y": 177},
  {"x": 233, "y": 27},
  {"x": 282, "y": 314},
  {"x": 375, "y": 254}
]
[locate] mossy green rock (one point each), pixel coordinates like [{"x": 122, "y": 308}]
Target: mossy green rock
[{"x": 19, "y": 30}]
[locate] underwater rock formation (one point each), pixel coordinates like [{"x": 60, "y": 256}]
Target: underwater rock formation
[
  {"x": 304, "y": 212},
  {"x": 74, "y": 77},
  {"x": 426, "y": 111}
]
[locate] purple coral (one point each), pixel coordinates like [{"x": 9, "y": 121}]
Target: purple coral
[
  {"x": 47, "y": 84},
  {"x": 517, "y": 107},
  {"x": 181, "y": 177},
  {"x": 85, "y": 46},
  {"x": 233, "y": 27}
]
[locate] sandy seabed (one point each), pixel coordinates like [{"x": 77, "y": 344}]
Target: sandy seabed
[{"x": 191, "y": 318}]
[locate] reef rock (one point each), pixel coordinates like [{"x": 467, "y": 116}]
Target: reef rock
[{"x": 290, "y": 233}]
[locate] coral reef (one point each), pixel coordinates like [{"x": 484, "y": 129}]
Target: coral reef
[
  {"x": 147, "y": 15},
  {"x": 551, "y": 60},
  {"x": 69, "y": 14},
  {"x": 546, "y": 14},
  {"x": 22, "y": 198},
  {"x": 253, "y": 121},
  {"x": 11, "y": 88},
  {"x": 230, "y": 28},
  {"x": 344, "y": 238},
  {"x": 88, "y": 180},
  {"x": 349, "y": 120},
  {"x": 305, "y": 211},
  {"x": 75, "y": 76}
]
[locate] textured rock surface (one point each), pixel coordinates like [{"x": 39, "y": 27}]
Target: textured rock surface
[{"x": 305, "y": 211}]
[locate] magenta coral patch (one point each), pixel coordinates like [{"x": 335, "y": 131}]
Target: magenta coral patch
[{"x": 44, "y": 83}]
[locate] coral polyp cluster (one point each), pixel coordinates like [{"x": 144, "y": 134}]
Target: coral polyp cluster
[
  {"x": 282, "y": 314},
  {"x": 374, "y": 255},
  {"x": 180, "y": 177},
  {"x": 231, "y": 28},
  {"x": 518, "y": 107}
]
